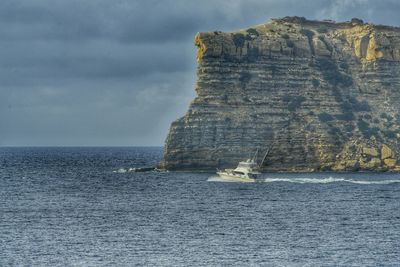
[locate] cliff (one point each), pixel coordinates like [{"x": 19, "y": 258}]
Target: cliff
[{"x": 327, "y": 94}]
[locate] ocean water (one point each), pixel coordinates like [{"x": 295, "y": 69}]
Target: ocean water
[{"x": 77, "y": 207}]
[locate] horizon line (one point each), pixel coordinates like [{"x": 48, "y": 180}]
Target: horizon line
[{"x": 66, "y": 146}]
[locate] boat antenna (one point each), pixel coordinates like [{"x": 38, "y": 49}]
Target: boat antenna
[
  {"x": 255, "y": 156},
  {"x": 266, "y": 154}
]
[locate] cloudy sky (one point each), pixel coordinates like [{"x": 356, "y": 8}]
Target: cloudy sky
[{"x": 117, "y": 73}]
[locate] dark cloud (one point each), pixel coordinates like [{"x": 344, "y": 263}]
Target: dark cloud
[
  {"x": 118, "y": 72},
  {"x": 118, "y": 112},
  {"x": 43, "y": 62}
]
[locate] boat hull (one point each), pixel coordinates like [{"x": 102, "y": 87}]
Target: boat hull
[{"x": 235, "y": 178}]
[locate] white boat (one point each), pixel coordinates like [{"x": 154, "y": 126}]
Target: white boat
[{"x": 246, "y": 171}]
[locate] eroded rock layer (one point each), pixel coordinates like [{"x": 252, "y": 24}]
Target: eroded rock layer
[{"x": 325, "y": 94}]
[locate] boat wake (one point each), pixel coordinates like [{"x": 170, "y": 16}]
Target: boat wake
[
  {"x": 328, "y": 180},
  {"x": 142, "y": 169},
  {"x": 312, "y": 180},
  {"x": 121, "y": 170}
]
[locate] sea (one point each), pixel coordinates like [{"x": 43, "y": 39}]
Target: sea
[{"x": 82, "y": 207}]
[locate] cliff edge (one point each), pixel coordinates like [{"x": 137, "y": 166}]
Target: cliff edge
[{"x": 327, "y": 94}]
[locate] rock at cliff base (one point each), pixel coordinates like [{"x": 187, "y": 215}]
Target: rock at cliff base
[
  {"x": 373, "y": 164},
  {"x": 390, "y": 162},
  {"x": 370, "y": 151},
  {"x": 386, "y": 152}
]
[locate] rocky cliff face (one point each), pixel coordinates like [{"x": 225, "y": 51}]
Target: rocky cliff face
[{"x": 327, "y": 94}]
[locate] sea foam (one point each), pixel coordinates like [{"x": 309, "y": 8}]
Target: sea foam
[
  {"x": 307, "y": 180},
  {"x": 328, "y": 180}
]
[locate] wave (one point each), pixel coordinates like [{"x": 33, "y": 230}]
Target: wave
[
  {"x": 121, "y": 170},
  {"x": 328, "y": 180},
  {"x": 313, "y": 180}
]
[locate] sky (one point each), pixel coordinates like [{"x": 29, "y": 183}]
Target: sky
[{"x": 117, "y": 73}]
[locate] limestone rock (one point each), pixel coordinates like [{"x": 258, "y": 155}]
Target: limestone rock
[
  {"x": 373, "y": 164},
  {"x": 390, "y": 162},
  {"x": 386, "y": 152},
  {"x": 325, "y": 93},
  {"x": 370, "y": 151},
  {"x": 347, "y": 165}
]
